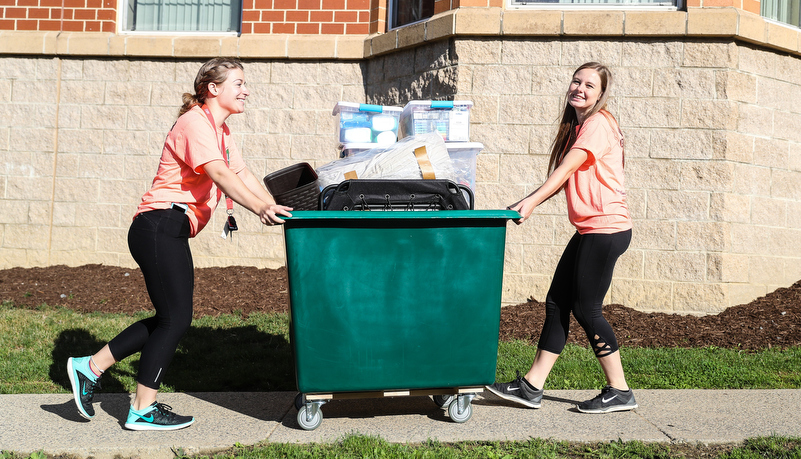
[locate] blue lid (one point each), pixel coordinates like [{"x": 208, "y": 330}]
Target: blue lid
[
  {"x": 371, "y": 108},
  {"x": 441, "y": 104}
]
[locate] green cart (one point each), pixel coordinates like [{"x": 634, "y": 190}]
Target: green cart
[{"x": 394, "y": 304}]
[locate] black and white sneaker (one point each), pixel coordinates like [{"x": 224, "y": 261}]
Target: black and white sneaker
[
  {"x": 519, "y": 390},
  {"x": 609, "y": 400}
]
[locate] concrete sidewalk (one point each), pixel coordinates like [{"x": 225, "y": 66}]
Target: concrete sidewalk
[{"x": 51, "y": 422}]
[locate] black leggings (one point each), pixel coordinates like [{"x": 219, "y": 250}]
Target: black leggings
[
  {"x": 159, "y": 242},
  {"x": 581, "y": 280}
]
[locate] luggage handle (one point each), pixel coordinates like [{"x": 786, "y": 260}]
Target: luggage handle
[{"x": 330, "y": 189}]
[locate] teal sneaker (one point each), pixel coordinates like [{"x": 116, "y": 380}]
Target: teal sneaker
[
  {"x": 84, "y": 383},
  {"x": 157, "y": 416}
]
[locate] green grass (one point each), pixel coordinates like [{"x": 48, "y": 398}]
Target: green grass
[{"x": 35, "y": 343}]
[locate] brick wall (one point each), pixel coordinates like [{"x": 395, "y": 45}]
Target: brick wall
[{"x": 59, "y": 15}]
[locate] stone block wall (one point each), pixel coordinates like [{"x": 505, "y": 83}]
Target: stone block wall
[{"x": 713, "y": 169}]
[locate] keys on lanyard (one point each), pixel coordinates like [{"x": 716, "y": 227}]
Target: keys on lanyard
[{"x": 230, "y": 226}]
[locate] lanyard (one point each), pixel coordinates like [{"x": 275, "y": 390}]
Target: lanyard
[{"x": 229, "y": 203}]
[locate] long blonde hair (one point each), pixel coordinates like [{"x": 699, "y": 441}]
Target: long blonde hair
[
  {"x": 566, "y": 132},
  {"x": 213, "y": 71}
]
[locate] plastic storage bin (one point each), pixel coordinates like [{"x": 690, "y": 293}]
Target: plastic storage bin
[
  {"x": 393, "y": 304},
  {"x": 451, "y": 119},
  {"x": 463, "y": 155},
  {"x": 364, "y": 123},
  {"x": 294, "y": 186}
]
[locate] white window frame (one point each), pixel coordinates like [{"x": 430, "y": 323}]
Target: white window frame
[
  {"x": 122, "y": 24},
  {"x": 664, "y": 5}
]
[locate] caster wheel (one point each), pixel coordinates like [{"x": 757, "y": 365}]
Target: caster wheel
[
  {"x": 458, "y": 415},
  {"x": 309, "y": 422},
  {"x": 443, "y": 400},
  {"x": 300, "y": 401}
]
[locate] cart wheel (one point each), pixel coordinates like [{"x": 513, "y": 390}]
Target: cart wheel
[
  {"x": 459, "y": 413},
  {"x": 300, "y": 400},
  {"x": 442, "y": 400},
  {"x": 309, "y": 422}
]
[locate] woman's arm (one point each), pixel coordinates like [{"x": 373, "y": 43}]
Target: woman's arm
[
  {"x": 569, "y": 165},
  {"x": 236, "y": 189},
  {"x": 255, "y": 186}
]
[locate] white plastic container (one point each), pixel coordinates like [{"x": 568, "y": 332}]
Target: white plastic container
[
  {"x": 365, "y": 123},
  {"x": 450, "y": 119}
]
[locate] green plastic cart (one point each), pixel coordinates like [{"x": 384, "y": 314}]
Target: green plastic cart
[{"x": 394, "y": 304}]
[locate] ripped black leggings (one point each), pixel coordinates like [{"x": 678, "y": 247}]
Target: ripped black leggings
[
  {"x": 581, "y": 280},
  {"x": 159, "y": 242}
]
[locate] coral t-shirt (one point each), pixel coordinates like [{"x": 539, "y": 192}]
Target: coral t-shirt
[
  {"x": 596, "y": 193},
  {"x": 190, "y": 144}
]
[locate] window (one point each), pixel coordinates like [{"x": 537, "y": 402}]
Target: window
[
  {"x": 183, "y": 15},
  {"x": 786, "y": 11},
  {"x": 403, "y": 12}
]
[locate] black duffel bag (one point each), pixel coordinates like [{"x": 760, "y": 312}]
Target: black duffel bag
[{"x": 386, "y": 194}]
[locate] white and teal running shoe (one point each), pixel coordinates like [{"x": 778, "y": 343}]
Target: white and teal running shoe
[
  {"x": 84, "y": 383},
  {"x": 157, "y": 416}
]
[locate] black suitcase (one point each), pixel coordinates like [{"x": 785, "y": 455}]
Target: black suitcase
[{"x": 385, "y": 194}]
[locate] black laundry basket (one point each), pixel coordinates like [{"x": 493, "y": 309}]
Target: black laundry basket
[{"x": 294, "y": 186}]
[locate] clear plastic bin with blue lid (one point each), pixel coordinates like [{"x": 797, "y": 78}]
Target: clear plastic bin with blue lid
[
  {"x": 366, "y": 123},
  {"x": 450, "y": 119}
]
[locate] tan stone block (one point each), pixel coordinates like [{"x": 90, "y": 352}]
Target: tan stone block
[
  {"x": 728, "y": 207},
  {"x": 792, "y": 270},
  {"x": 384, "y": 43},
  {"x": 710, "y": 54},
  {"x": 479, "y": 52},
  {"x": 111, "y": 240},
  {"x": 517, "y": 109},
  {"x": 765, "y": 270},
  {"x": 772, "y": 153},
  {"x": 781, "y": 36},
  {"x": 727, "y": 267},
  {"x": 642, "y": 295},
  {"x": 17, "y": 42},
  {"x": 655, "y": 23},
  {"x": 591, "y": 22},
  {"x": 78, "y": 92},
  {"x": 74, "y": 238},
  {"x": 506, "y": 79},
  {"x": 196, "y": 47},
  {"x": 85, "y": 43},
  {"x": 677, "y": 205},
  {"x": 737, "y": 86},
  {"x": 146, "y": 119},
  {"x": 531, "y": 22},
  {"x": 511, "y": 139},
  {"x": 311, "y": 46},
  {"x": 487, "y": 168},
  {"x": 478, "y": 21},
  {"x": 653, "y": 174},
  {"x": 775, "y": 94},
  {"x": 441, "y": 25},
  {"x": 658, "y": 112},
  {"x": 653, "y": 235},
  {"x": 14, "y": 210},
  {"x": 312, "y": 147},
  {"x": 534, "y": 53},
  {"x": 106, "y": 70},
  {"x": 349, "y": 47},
  {"x": 264, "y": 46},
  {"x": 751, "y": 27},
  {"x": 122, "y": 192},
  {"x": 719, "y": 22},
  {"x": 709, "y": 114},
  {"x": 690, "y": 83},
  {"x": 41, "y": 140},
  {"x": 80, "y": 141},
  {"x": 756, "y": 120},
  {"x": 703, "y": 236},
  {"x": 685, "y": 143},
  {"x": 738, "y": 294},
  {"x": 141, "y": 45},
  {"x": 695, "y": 298},
  {"x": 39, "y": 212},
  {"x": 30, "y": 188},
  {"x": 786, "y": 184},
  {"x": 517, "y": 288},
  {"x": 787, "y": 126},
  {"x": 707, "y": 176}
]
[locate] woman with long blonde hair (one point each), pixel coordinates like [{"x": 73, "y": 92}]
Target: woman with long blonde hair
[{"x": 587, "y": 163}]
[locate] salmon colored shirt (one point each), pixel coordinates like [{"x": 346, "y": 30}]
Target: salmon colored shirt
[
  {"x": 596, "y": 193},
  {"x": 190, "y": 144}
]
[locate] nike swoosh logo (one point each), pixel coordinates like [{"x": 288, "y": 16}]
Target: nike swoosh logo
[
  {"x": 607, "y": 400},
  {"x": 146, "y": 419},
  {"x": 514, "y": 388}
]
